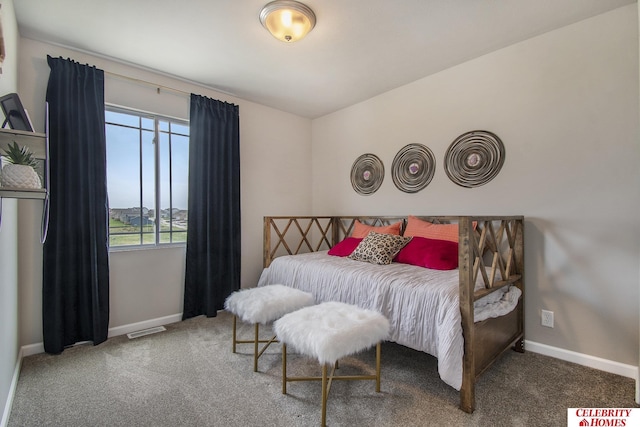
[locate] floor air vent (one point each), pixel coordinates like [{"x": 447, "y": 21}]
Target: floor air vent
[{"x": 144, "y": 332}]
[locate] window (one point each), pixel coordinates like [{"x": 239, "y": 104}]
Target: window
[{"x": 147, "y": 178}]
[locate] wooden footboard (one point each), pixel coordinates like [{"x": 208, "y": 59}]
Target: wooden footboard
[
  {"x": 490, "y": 252},
  {"x": 497, "y": 243}
]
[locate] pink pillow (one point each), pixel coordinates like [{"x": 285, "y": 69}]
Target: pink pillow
[
  {"x": 429, "y": 253},
  {"x": 346, "y": 247},
  {"x": 361, "y": 230},
  {"x": 419, "y": 228}
]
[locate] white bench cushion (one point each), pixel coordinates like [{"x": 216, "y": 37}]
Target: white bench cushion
[
  {"x": 267, "y": 303},
  {"x": 331, "y": 330}
]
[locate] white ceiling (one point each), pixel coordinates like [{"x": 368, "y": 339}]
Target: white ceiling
[{"x": 358, "y": 49}]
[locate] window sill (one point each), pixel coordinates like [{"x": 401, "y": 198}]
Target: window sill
[{"x": 146, "y": 247}]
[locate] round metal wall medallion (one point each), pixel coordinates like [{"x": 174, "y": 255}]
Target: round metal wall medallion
[
  {"x": 413, "y": 168},
  {"x": 367, "y": 174},
  {"x": 474, "y": 158}
]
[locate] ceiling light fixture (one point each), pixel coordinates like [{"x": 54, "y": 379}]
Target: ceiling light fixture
[{"x": 287, "y": 20}]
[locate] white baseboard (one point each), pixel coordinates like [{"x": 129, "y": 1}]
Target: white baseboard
[
  {"x": 133, "y": 327},
  {"x": 12, "y": 391},
  {"x": 605, "y": 365},
  {"x": 31, "y": 349}
]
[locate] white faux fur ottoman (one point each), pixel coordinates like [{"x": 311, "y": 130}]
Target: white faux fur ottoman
[
  {"x": 328, "y": 332},
  {"x": 263, "y": 305}
]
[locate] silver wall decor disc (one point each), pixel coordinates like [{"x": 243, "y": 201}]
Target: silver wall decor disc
[
  {"x": 413, "y": 168},
  {"x": 474, "y": 158},
  {"x": 367, "y": 174}
]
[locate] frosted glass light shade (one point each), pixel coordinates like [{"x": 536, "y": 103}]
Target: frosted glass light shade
[{"x": 287, "y": 20}]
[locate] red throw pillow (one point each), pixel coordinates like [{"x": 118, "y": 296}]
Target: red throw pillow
[
  {"x": 429, "y": 253},
  {"x": 346, "y": 247}
]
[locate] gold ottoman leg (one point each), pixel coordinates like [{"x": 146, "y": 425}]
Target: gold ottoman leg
[
  {"x": 378, "y": 351},
  {"x": 284, "y": 368},
  {"x": 255, "y": 348},
  {"x": 234, "y": 333},
  {"x": 323, "y": 422}
]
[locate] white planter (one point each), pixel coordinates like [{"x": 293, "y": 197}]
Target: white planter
[{"x": 19, "y": 176}]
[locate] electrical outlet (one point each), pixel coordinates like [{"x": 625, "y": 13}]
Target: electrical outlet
[{"x": 547, "y": 318}]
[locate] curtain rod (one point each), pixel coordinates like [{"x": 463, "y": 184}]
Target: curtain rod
[{"x": 157, "y": 86}]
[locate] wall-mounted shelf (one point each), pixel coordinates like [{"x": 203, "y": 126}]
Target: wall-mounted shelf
[
  {"x": 22, "y": 193},
  {"x": 34, "y": 141},
  {"x": 38, "y": 144}
]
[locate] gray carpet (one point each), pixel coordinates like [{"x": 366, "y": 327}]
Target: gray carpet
[{"x": 188, "y": 376}]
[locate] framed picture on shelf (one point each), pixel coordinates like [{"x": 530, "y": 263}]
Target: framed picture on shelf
[{"x": 15, "y": 114}]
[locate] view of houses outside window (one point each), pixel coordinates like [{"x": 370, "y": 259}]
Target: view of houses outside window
[{"x": 147, "y": 178}]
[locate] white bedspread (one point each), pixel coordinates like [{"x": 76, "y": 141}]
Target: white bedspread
[{"x": 421, "y": 304}]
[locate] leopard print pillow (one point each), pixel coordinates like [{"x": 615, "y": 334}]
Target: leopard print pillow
[{"x": 379, "y": 248}]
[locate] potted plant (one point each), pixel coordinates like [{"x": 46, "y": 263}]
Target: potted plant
[{"x": 19, "y": 172}]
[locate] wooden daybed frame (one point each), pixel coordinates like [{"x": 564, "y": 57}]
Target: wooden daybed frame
[{"x": 497, "y": 242}]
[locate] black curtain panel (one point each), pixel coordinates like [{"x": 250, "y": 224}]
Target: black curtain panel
[
  {"x": 213, "y": 236},
  {"x": 75, "y": 295}
]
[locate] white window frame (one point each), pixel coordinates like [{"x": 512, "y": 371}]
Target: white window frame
[{"x": 157, "y": 177}]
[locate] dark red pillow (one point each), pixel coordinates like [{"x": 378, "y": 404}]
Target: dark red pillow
[
  {"x": 345, "y": 247},
  {"x": 429, "y": 253}
]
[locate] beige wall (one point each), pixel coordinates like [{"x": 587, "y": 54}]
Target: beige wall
[
  {"x": 565, "y": 104},
  {"x": 148, "y": 284},
  {"x": 9, "y": 345}
]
